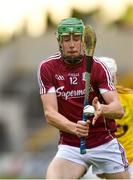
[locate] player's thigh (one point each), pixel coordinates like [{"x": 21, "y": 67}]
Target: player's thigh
[
  {"x": 61, "y": 168},
  {"x": 118, "y": 175}
]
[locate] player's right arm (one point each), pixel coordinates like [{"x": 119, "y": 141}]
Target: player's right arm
[{"x": 54, "y": 118}]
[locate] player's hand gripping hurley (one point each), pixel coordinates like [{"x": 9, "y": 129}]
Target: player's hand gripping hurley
[{"x": 89, "y": 42}]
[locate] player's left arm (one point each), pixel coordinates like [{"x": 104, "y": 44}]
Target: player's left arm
[{"x": 112, "y": 109}]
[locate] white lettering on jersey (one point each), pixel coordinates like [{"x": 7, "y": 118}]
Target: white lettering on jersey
[
  {"x": 73, "y": 80},
  {"x": 69, "y": 94},
  {"x": 73, "y": 74}
]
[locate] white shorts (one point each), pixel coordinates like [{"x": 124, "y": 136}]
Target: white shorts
[
  {"x": 131, "y": 170},
  {"x": 106, "y": 158}
]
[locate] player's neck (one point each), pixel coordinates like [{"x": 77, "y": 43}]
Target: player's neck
[{"x": 73, "y": 60}]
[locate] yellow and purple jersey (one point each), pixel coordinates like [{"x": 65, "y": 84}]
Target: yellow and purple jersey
[{"x": 125, "y": 125}]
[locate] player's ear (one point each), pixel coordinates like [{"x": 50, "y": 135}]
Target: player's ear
[{"x": 60, "y": 42}]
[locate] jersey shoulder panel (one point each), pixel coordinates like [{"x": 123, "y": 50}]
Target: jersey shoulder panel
[
  {"x": 100, "y": 66},
  {"x": 102, "y": 75},
  {"x": 45, "y": 73},
  {"x": 50, "y": 60}
]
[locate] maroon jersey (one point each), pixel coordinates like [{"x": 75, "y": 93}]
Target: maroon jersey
[{"x": 67, "y": 81}]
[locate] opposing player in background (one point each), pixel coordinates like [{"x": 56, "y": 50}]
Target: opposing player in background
[
  {"x": 124, "y": 131},
  {"x": 62, "y": 89}
]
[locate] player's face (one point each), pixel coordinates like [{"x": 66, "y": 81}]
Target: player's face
[{"x": 71, "y": 45}]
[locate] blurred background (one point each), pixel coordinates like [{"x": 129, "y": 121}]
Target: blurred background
[{"x": 27, "y": 36}]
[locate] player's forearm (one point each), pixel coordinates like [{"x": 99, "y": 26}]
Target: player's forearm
[
  {"x": 60, "y": 122},
  {"x": 113, "y": 110}
]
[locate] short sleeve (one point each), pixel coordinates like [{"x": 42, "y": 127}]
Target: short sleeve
[
  {"x": 45, "y": 79},
  {"x": 104, "y": 78}
]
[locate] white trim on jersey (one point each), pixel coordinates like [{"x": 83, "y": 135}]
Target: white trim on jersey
[
  {"x": 108, "y": 74},
  {"x": 42, "y": 87},
  {"x": 40, "y": 82},
  {"x": 52, "y": 90},
  {"x": 103, "y": 90},
  {"x": 53, "y": 57}
]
